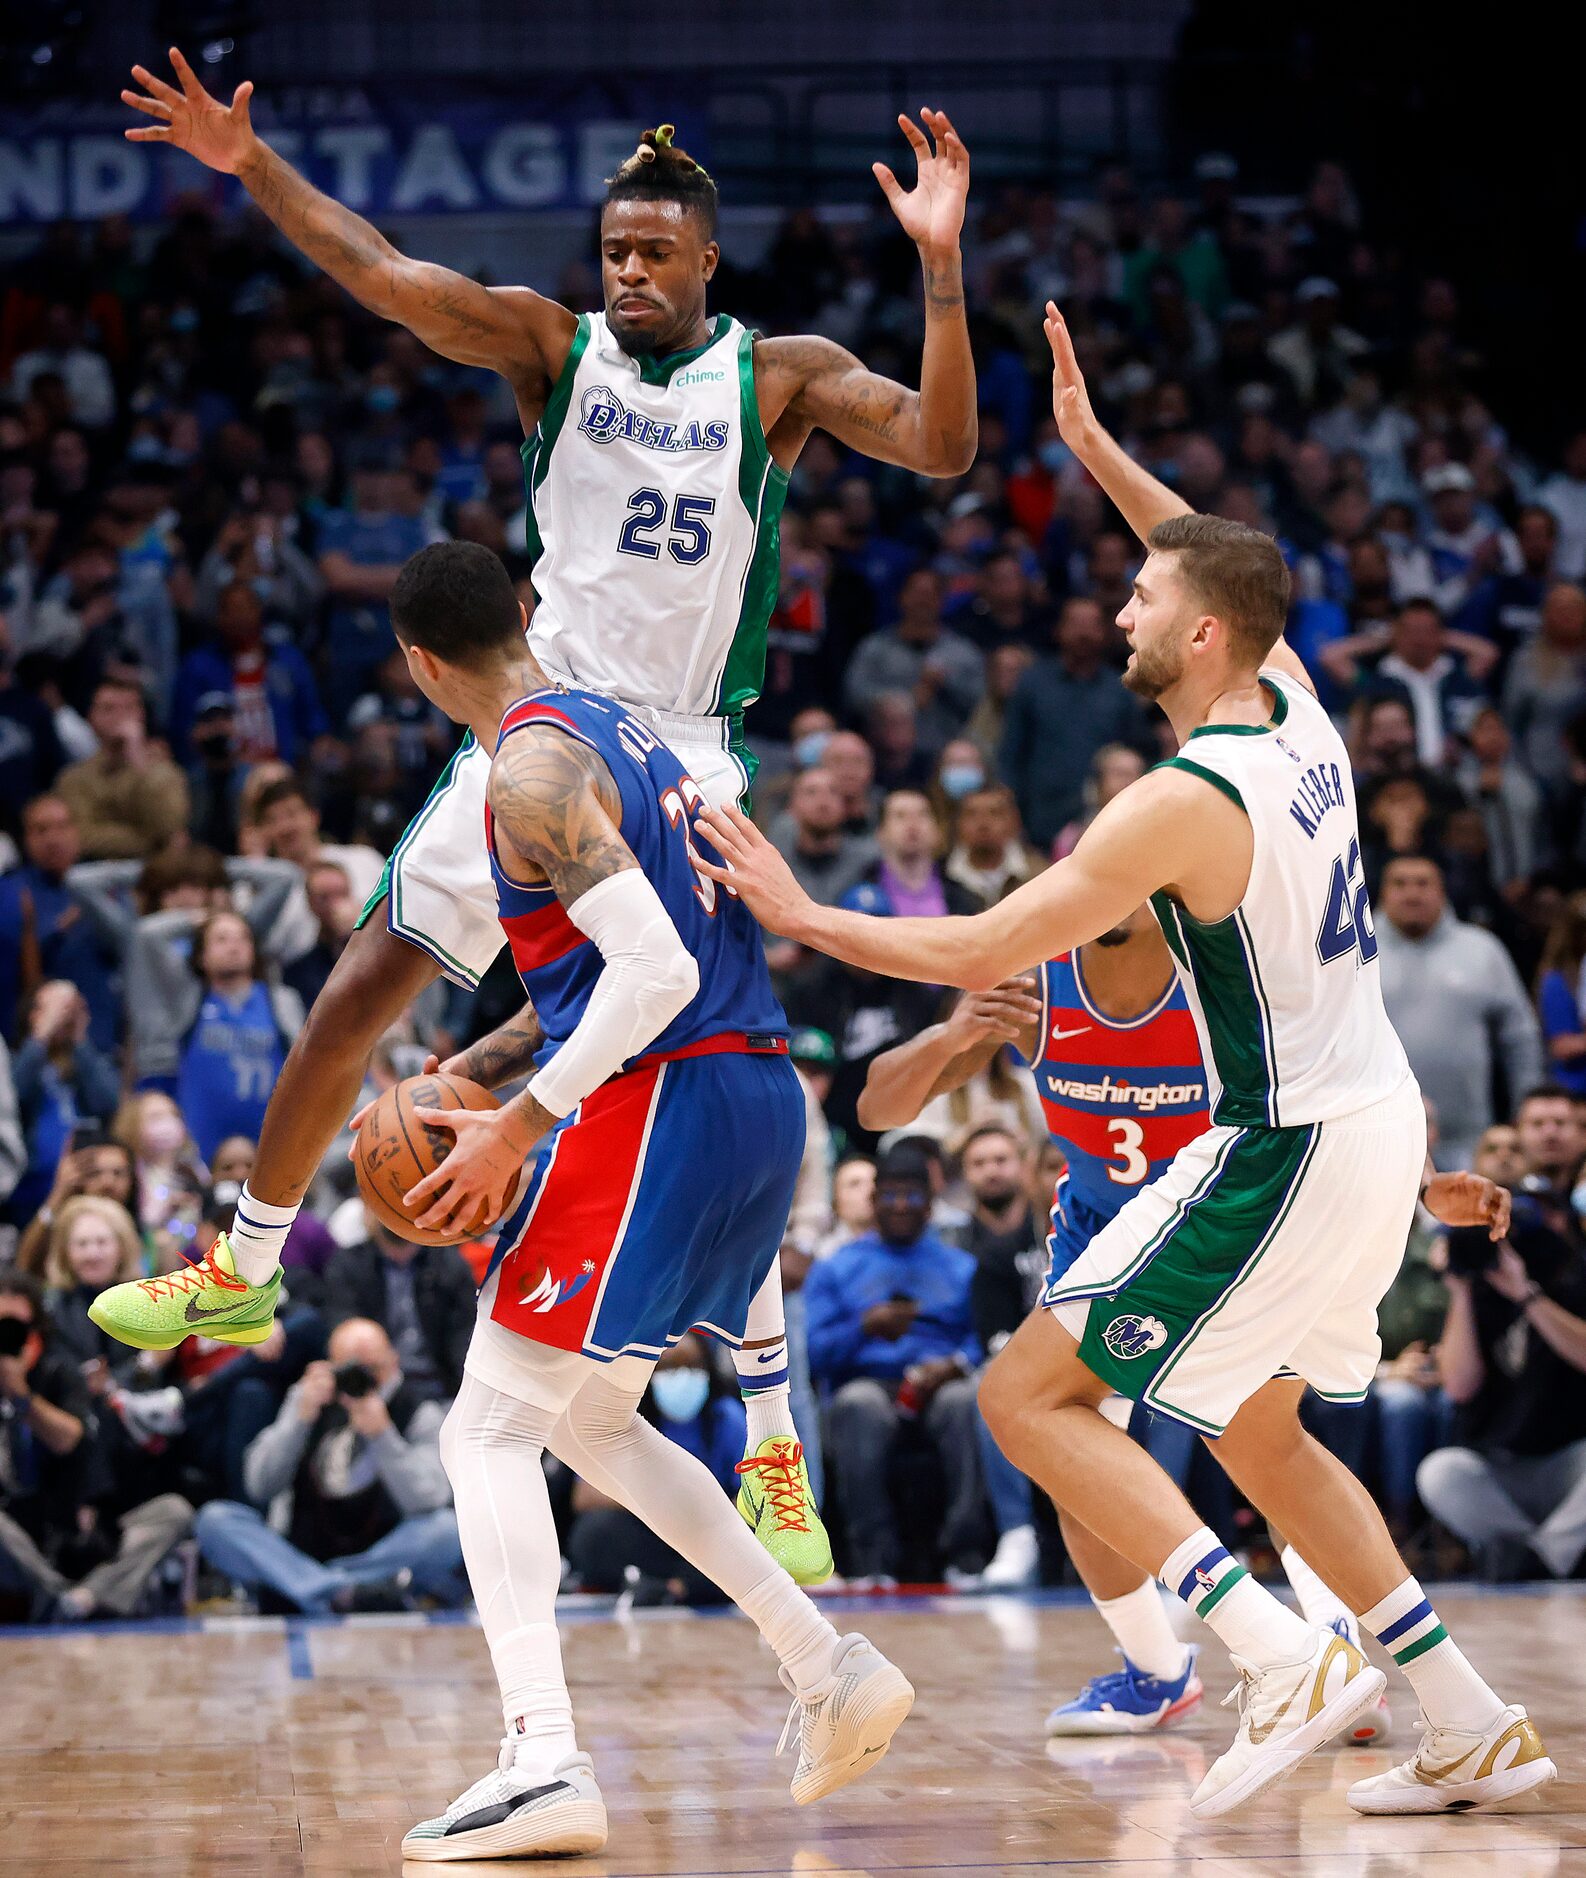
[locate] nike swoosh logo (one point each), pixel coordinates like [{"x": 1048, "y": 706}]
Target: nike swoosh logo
[
  {"x": 1259, "y": 1734},
  {"x": 755, "y": 1507},
  {"x": 775, "y": 1356},
  {"x": 1425, "y": 1770},
  {"x": 1083, "y": 1031},
  {"x": 195, "y": 1316}
]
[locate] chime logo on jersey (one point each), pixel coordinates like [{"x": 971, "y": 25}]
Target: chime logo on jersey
[
  {"x": 604, "y": 418},
  {"x": 1128, "y": 1337}
]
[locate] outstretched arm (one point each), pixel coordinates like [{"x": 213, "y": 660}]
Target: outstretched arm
[
  {"x": 510, "y": 330},
  {"x": 902, "y": 1080},
  {"x": 557, "y": 809},
  {"x": 810, "y": 383},
  {"x": 1119, "y": 862}
]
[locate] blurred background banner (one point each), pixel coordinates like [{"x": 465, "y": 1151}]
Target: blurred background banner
[{"x": 447, "y": 148}]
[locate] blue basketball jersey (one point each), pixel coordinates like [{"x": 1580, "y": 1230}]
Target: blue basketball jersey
[{"x": 559, "y": 966}]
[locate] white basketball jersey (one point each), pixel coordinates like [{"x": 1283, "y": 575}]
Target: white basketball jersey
[
  {"x": 1286, "y": 991},
  {"x": 653, "y": 514}
]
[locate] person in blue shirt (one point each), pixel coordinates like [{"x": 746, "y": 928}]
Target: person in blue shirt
[
  {"x": 361, "y": 552},
  {"x": 891, "y": 1338},
  {"x": 232, "y": 1054},
  {"x": 44, "y": 932},
  {"x": 1558, "y": 996},
  {"x": 694, "y": 1404},
  {"x": 275, "y": 705},
  {"x": 62, "y": 1084}
]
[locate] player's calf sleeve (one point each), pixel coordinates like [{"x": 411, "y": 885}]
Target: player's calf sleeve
[{"x": 1219, "y": 1590}]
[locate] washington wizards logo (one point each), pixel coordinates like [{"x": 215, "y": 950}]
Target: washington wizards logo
[
  {"x": 539, "y": 1291},
  {"x": 604, "y": 418},
  {"x": 1129, "y": 1337}
]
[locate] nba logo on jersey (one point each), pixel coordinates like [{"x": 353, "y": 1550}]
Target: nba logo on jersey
[{"x": 1128, "y": 1337}]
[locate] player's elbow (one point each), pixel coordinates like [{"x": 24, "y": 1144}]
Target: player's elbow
[
  {"x": 951, "y": 455},
  {"x": 876, "y": 1114},
  {"x": 674, "y": 985}
]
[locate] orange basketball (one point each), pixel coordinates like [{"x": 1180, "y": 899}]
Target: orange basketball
[{"x": 394, "y": 1152}]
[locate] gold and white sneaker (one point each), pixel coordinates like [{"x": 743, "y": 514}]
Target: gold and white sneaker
[
  {"x": 846, "y": 1726},
  {"x": 1453, "y": 1771},
  {"x": 1286, "y": 1713},
  {"x": 511, "y": 1814}
]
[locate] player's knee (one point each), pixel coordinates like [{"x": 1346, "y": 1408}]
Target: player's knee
[{"x": 1004, "y": 1406}]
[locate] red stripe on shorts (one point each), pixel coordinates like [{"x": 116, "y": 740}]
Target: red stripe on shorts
[{"x": 551, "y": 1281}]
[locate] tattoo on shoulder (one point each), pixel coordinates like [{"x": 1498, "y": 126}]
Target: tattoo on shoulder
[
  {"x": 838, "y": 391},
  {"x": 556, "y": 802}
]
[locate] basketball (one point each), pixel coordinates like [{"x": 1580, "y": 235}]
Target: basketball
[{"x": 394, "y": 1152}]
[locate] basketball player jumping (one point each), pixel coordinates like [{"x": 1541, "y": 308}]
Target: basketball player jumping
[
  {"x": 659, "y": 446},
  {"x": 1255, "y": 1264}
]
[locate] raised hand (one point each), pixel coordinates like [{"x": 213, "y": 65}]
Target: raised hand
[
  {"x": 220, "y": 136},
  {"x": 1008, "y": 1011},
  {"x": 1076, "y": 421},
  {"x": 932, "y": 212}
]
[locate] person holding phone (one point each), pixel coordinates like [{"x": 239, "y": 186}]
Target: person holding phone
[{"x": 348, "y": 1507}]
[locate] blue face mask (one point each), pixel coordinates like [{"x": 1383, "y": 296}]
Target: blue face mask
[
  {"x": 808, "y": 751},
  {"x": 960, "y": 780},
  {"x": 382, "y": 399},
  {"x": 680, "y": 1394}
]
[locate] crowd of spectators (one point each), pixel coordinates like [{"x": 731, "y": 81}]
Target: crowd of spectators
[{"x": 212, "y": 466}]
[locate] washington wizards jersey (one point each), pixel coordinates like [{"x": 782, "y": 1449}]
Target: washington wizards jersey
[
  {"x": 1121, "y": 1095},
  {"x": 559, "y": 966}
]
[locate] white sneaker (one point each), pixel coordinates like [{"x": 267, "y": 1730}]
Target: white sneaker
[
  {"x": 1015, "y": 1561},
  {"x": 511, "y": 1814},
  {"x": 1453, "y": 1771},
  {"x": 1286, "y": 1713},
  {"x": 1376, "y": 1724},
  {"x": 846, "y": 1726}
]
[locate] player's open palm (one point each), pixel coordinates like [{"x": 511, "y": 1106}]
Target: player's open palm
[
  {"x": 932, "y": 212},
  {"x": 1070, "y": 400},
  {"x": 219, "y": 135}
]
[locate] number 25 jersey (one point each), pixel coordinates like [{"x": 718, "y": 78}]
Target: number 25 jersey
[
  {"x": 1286, "y": 991},
  {"x": 653, "y": 517}
]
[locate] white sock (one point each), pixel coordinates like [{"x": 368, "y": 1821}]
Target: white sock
[
  {"x": 1452, "y": 1695},
  {"x": 257, "y": 1236},
  {"x": 1322, "y": 1605},
  {"x": 535, "y": 1705},
  {"x": 767, "y": 1392},
  {"x": 794, "y": 1628},
  {"x": 1144, "y": 1634},
  {"x": 1247, "y": 1617}
]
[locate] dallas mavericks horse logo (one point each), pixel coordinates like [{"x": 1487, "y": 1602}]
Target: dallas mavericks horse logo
[
  {"x": 604, "y": 418},
  {"x": 1129, "y": 1337}
]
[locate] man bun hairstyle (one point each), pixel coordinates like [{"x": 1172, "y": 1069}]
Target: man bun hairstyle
[
  {"x": 1236, "y": 572},
  {"x": 661, "y": 171},
  {"x": 456, "y": 599}
]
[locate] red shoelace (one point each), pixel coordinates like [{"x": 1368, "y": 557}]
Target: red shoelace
[
  {"x": 194, "y": 1275},
  {"x": 780, "y": 1483}
]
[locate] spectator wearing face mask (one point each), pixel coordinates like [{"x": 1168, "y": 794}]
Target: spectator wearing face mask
[{"x": 694, "y": 1405}]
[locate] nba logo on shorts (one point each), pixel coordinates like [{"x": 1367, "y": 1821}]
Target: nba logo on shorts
[{"x": 1128, "y": 1337}]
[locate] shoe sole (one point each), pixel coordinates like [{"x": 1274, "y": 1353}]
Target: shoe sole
[
  {"x": 1374, "y": 1727},
  {"x": 1114, "y": 1725},
  {"x": 579, "y": 1828},
  {"x": 1495, "y": 1794},
  {"x": 1357, "y": 1695},
  {"x": 217, "y": 1333},
  {"x": 879, "y": 1708}
]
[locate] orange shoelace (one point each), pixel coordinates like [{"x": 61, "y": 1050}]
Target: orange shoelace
[
  {"x": 194, "y": 1275},
  {"x": 781, "y": 1485}
]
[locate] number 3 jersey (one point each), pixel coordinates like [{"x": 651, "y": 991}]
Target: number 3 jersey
[
  {"x": 1121, "y": 1095},
  {"x": 653, "y": 513},
  {"x": 559, "y": 966},
  {"x": 1286, "y": 992}
]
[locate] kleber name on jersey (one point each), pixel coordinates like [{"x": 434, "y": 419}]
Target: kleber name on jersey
[{"x": 604, "y": 418}]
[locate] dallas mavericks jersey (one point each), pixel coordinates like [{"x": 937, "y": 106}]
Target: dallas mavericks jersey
[
  {"x": 1286, "y": 992},
  {"x": 653, "y": 514},
  {"x": 559, "y": 965},
  {"x": 1121, "y": 1095}
]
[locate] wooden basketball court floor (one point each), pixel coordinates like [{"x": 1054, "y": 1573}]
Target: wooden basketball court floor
[{"x": 269, "y": 1748}]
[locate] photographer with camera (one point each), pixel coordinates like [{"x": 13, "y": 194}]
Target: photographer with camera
[
  {"x": 1513, "y": 1360},
  {"x": 356, "y": 1506}
]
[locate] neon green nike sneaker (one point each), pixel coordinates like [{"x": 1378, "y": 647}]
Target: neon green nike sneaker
[
  {"x": 776, "y": 1503},
  {"x": 206, "y": 1299}
]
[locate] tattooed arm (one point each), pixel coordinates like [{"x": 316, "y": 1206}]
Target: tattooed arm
[
  {"x": 509, "y": 329},
  {"x": 507, "y": 1053},
  {"x": 557, "y": 814},
  {"x": 810, "y": 383}
]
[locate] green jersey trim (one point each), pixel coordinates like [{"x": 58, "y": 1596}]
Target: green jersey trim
[
  {"x": 1192, "y": 768},
  {"x": 662, "y": 370},
  {"x": 762, "y": 488},
  {"x": 536, "y": 450},
  {"x": 1221, "y": 962},
  {"x": 1280, "y": 710},
  {"x": 390, "y": 882}
]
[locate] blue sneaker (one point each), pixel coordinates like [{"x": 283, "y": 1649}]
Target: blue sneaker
[
  {"x": 1129, "y": 1702},
  {"x": 1377, "y": 1723}
]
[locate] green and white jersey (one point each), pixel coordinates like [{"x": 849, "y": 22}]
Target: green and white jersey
[
  {"x": 653, "y": 515},
  {"x": 1286, "y": 991}
]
